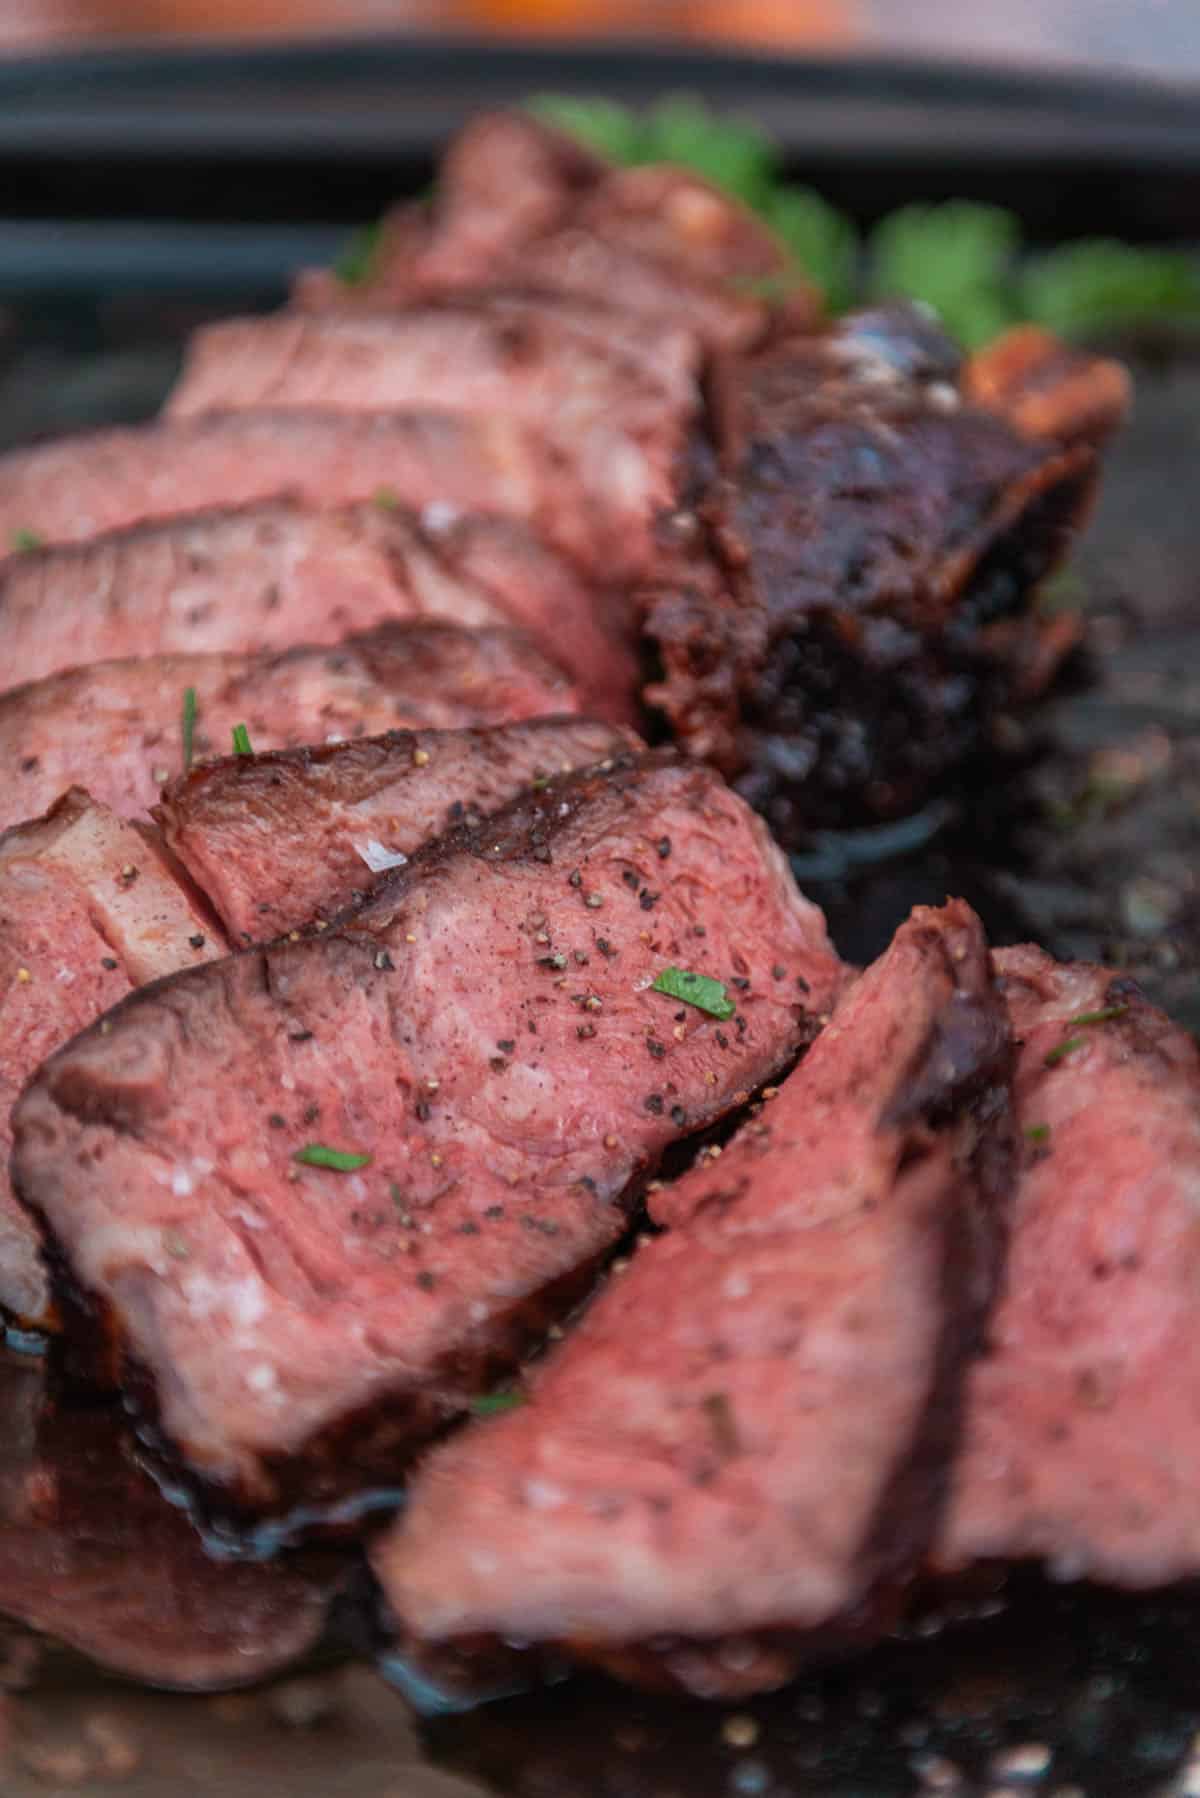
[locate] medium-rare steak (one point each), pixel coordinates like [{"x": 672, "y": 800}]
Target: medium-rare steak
[
  {"x": 277, "y": 574},
  {"x": 519, "y": 203},
  {"x": 613, "y": 397},
  {"x": 736, "y": 1458},
  {"x": 1080, "y": 1446},
  {"x": 118, "y": 725},
  {"x": 276, "y": 840},
  {"x": 87, "y": 912},
  {"x": 850, "y": 613},
  {"x": 93, "y": 1555},
  {"x": 481, "y": 1052},
  {"x": 79, "y": 487}
]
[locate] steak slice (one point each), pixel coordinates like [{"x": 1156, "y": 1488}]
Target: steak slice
[
  {"x": 614, "y": 399},
  {"x": 117, "y": 725},
  {"x": 87, "y": 912},
  {"x": 93, "y": 1555},
  {"x": 486, "y": 1032},
  {"x": 1080, "y": 1445},
  {"x": 736, "y": 1459},
  {"x": 275, "y": 840},
  {"x": 277, "y": 574},
  {"x": 851, "y": 615},
  {"x": 82, "y": 486}
]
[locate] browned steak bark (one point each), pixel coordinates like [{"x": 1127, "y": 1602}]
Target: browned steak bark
[
  {"x": 277, "y": 574},
  {"x": 613, "y": 398},
  {"x": 79, "y": 487},
  {"x": 850, "y": 612},
  {"x": 276, "y": 840},
  {"x": 1080, "y": 1442},
  {"x": 92, "y": 1555},
  {"x": 485, "y": 1030},
  {"x": 517, "y": 203},
  {"x": 736, "y": 1459},
  {"x": 87, "y": 912},
  {"x": 118, "y": 725}
]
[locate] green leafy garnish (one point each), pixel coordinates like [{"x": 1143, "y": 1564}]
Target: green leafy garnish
[
  {"x": 1097, "y": 1017},
  {"x": 357, "y": 260},
  {"x": 699, "y": 990},
  {"x": 611, "y": 130},
  {"x": 1065, "y": 1048},
  {"x": 823, "y": 241},
  {"x": 957, "y": 258},
  {"x": 343, "y": 1161},
  {"x": 24, "y": 542},
  {"x": 386, "y": 498},
  {"x": 187, "y": 725},
  {"x": 1096, "y": 286},
  {"x": 241, "y": 740},
  {"x": 491, "y": 1404},
  {"x": 1037, "y": 1134}
]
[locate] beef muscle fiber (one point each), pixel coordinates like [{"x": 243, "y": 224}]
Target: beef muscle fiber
[
  {"x": 276, "y": 574},
  {"x": 119, "y": 725},
  {"x": 736, "y": 1458},
  {"x": 1081, "y": 1446},
  {"x": 485, "y": 1030},
  {"x": 275, "y": 840},
  {"x": 87, "y": 912}
]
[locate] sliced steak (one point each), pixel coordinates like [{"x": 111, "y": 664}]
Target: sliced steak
[
  {"x": 79, "y": 487},
  {"x": 1080, "y": 1447},
  {"x": 850, "y": 613},
  {"x": 118, "y": 725},
  {"x": 484, "y": 1029},
  {"x": 87, "y": 912},
  {"x": 737, "y": 1457},
  {"x": 93, "y": 1555},
  {"x": 613, "y": 399},
  {"x": 276, "y": 840},
  {"x": 277, "y": 574}
]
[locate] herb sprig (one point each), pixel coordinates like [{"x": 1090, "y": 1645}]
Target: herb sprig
[
  {"x": 241, "y": 740},
  {"x": 699, "y": 990},
  {"x": 25, "y": 541},
  {"x": 342, "y": 1161},
  {"x": 187, "y": 726},
  {"x": 493, "y": 1404}
]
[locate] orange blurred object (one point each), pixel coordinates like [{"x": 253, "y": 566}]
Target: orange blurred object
[{"x": 782, "y": 22}]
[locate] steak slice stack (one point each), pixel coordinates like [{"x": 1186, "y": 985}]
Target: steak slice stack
[
  {"x": 736, "y": 1458},
  {"x": 1081, "y": 1446},
  {"x": 273, "y": 575},
  {"x": 93, "y": 1555},
  {"x": 614, "y": 399},
  {"x": 87, "y": 912},
  {"x": 118, "y": 725},
  {"x": 849, "y": 611},
  {"x": 486, "y": 1031},
  {"x": 273, "y": 841}
]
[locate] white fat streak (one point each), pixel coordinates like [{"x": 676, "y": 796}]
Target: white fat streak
[{"x": 377, "y": 858}]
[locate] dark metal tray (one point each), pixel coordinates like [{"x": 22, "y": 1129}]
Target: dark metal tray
[{"x": 144, "y": 191}]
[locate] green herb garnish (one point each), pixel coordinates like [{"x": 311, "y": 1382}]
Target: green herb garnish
[
  {"x": 1065, "y": 1048},
  {"x": 25, "y": 542},
  {"x": 695, "y": 989},
  {"x": 386, "y": 498},
  {"x": 343, "y": 1161},
  {"x": 1037, "y": 1134},
  {"x": 357, "y": 260},
  {"x": 491, "y": 1404},
  {"x": 1098, "y": 1017},
  {"x": 241, "y": 740},
  {"x": 958, "y": 258},
  {"x": 187, "y": 725}
]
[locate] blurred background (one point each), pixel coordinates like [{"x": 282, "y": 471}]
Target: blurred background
[{"x": 1149, "y": 36}]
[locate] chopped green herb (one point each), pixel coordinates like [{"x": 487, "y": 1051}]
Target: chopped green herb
[
  {"x": 695, "y": 989},
  {"x": 25, "y": 542},
  {"x": 1098, "y": 1017},
  {"x": 386, "y": 498},
  {"x": 357, "y": 259},
  {"x": 1085, "y": 289},
  {"x": 1037, "y": 1134},
  {"x": 241, "y": 740},
  {"x": 823, "y": 241},
  {"x": 1065, "y": 1048},
  {"x": 343, "y": 1161},
  {"x": 188, "y": 725},
  {"x": 491, "y": 1404},
  {"x": 957, "y": 258}
]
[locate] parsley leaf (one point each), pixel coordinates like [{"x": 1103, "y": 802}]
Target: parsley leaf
[
  {"x": 699, "y": 990},
  {"x": 957, "y": 258},
  {"x": 823, "y": 241},
  {"x": 342, "y": 1161},
  {"x": 187, "y": 725},
  {"x": 1085, "y": 289},
  {"x": 491, "y": 1404},
  {"x": 241, "y": 740},
  {"x": 357, "y": 260}
]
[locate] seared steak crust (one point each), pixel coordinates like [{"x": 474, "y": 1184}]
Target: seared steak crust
[
  {"x": 276, "y": 840},
  {"x": 118, "y": 725},
  {"x": 484, "y": 1029},
  {"x": 1080, "y": 1446},
  {"x": 707, "y": 1501}
]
